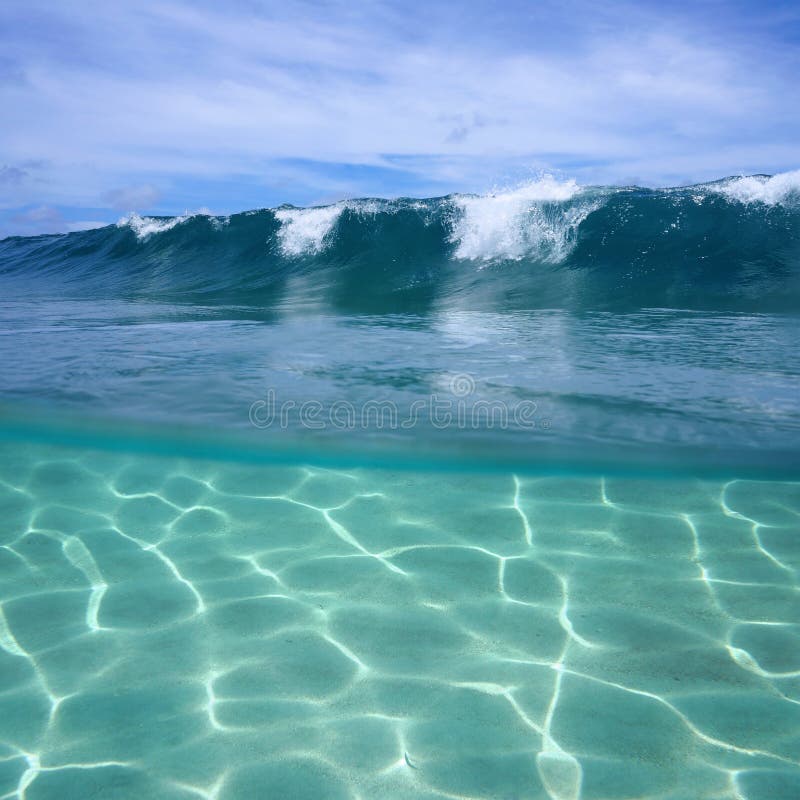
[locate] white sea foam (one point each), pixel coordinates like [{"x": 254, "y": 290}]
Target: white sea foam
[
  {"x": 775, "y": 190},
  {"x": 303, "y": 230},
  {"x": 539, "y": 218},
  {"x": 147, "y": 226}
]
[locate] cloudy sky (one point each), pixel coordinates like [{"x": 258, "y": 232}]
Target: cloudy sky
[{"x": 163, "y": 107}]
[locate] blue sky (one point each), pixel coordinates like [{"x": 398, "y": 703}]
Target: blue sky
[{"x": 171, "y": 106}]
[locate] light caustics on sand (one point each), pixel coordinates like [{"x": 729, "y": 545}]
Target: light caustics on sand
[
  {"x": 188, "y": 629},
  {"x": 518, "y": 627}
]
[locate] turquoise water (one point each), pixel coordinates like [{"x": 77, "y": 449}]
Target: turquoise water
[
  {"x": 468, "y": 497},
  {"x": 178, "y": 628}
]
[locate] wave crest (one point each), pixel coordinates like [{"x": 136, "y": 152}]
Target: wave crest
[
  {"x": 145, "y": 227},
  {"x": 770, "y": 190},
  {"x": 303, "y": 230},
  {"x": 732, "y": 245},
  {"x": 538, "y": 219}
]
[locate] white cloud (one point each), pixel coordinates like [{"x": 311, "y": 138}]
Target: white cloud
[
  {"x": 44, "y": 219},
  {"x": 145, "y": 94},
  {"x": 11, "y": 176},
  {"x": 37, "y": 216},
  {"x": 133, "y": 198}
]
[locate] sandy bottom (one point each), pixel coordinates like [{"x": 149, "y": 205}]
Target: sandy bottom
[{"x": 175, "y": 630}]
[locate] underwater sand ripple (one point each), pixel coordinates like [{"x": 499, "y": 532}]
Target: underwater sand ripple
[{"x": 180, "y": 629}]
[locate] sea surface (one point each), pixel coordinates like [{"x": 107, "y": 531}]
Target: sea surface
[{"x": 487, "y": 496}]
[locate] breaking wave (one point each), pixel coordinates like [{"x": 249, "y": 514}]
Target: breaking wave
[{"x": 731, "y": 244}]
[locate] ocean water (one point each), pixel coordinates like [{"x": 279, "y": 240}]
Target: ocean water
[{"x": 473, "y": 497}]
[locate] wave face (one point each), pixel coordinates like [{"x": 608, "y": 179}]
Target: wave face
[{"x": 729, "y": 245}]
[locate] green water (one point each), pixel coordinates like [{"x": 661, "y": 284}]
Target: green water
[
  {"x": 596, "y": 599},
  {"x": 181, "y": 628}
]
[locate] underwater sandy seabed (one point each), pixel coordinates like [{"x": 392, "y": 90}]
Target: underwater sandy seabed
[{"x": 185, "y": 629}]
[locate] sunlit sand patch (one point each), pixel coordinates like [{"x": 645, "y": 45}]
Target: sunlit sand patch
[{"x": 217, "y": 631}]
